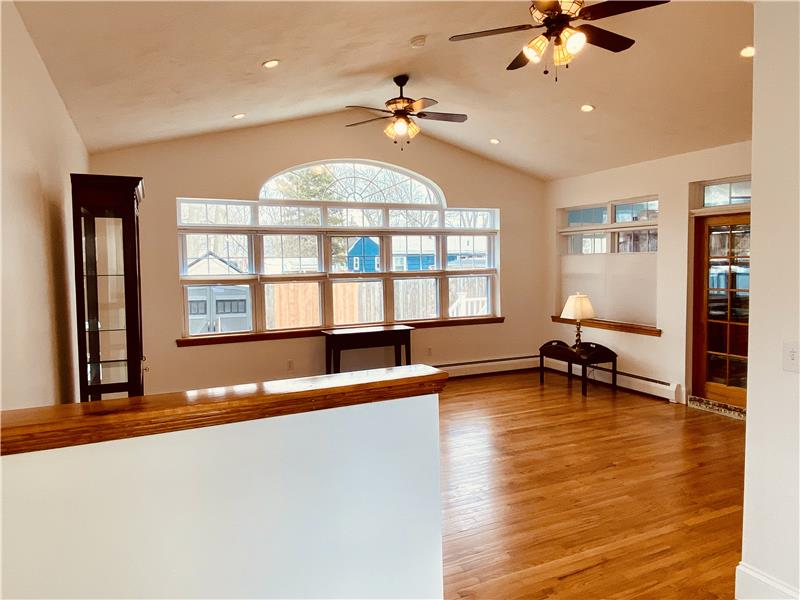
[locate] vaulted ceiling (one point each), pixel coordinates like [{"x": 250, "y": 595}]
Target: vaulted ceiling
[{"x": 134, "y": 72}]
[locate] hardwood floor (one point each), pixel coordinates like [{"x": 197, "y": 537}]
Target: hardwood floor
[{"x": 549, "y": 495}]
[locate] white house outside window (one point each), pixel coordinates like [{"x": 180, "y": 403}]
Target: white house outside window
[{"x": 335, "y": 243}]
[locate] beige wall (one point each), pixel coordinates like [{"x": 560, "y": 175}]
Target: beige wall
[
  {"x": 661, "y": 358},
  {"x": 235, "y": 164},
  {"x": 40, "y": 148},
  {"x": 770, "y": 566}
]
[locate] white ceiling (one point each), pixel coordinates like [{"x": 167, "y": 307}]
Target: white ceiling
[{"x": 134, "y": 72}]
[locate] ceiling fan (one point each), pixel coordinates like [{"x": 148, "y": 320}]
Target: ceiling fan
[
  {"x": 555, "y": 17},
  {"x": 400, "y": 110}
]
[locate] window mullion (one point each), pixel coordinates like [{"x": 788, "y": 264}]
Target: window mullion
[
  {"x": 257, "y": 288},
  {"x": 444, "y": 294},
  {"x": 388, "y": 282},
  {"x": 327, "y": 285}
]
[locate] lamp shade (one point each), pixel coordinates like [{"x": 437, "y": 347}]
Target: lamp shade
[{"x": 578, "y": 307}]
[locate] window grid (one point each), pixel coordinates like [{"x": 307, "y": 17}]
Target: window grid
[
  {"x": 460, "y": 222},
  {"x": 628, "y": 226}
]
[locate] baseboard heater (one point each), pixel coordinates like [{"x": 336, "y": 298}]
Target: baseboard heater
[
  {"x": 638, "y": 383},
  {"x": 490, "y": 365}
]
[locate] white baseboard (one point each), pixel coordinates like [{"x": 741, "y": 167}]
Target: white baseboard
[
  {"x": 490, "y": 366},
  {"x": 755, "y": 584},
  {"x": 669, "y": 392}
]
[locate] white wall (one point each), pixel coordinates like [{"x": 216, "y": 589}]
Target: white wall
[
  {"x": 661, "y": 358},
  {"x": 235, "y": 164},
  {"x": 770, "y": 566},
  {"x": 41, "y": 147},
  {"x": 338, "y": 503}
]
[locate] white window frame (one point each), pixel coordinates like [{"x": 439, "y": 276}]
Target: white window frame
[
  {"x": 612, "y": 228},
  {"x": 326, "y": 275}
]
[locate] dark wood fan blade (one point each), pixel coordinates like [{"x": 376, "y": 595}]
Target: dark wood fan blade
[
  {"x": 488, "y": 32},
  {"x": 605, "y": 39},
  {"x": 440, "y": 116},
  {"x": 614, "y": 7},
  {"x": 370, "y": 108},
  {"x": 368, "y": 121},
  {"x": 519, "y": 61},
  {"x": 421, "y": 104}
]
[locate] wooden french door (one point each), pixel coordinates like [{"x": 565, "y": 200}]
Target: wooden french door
[{"x": 721, "y": 308}]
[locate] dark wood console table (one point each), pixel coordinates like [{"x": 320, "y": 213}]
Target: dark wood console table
[
  {"x": 587, "y": 353},
  {"x": 352, "y": 338}
]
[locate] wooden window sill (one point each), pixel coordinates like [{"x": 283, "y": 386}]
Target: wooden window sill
[
  {"x": 612, "y": 326},
  {"x": 233, "y": 338}
]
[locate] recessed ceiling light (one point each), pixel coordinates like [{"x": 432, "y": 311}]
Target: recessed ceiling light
[
  {"x": 239, "y": 116},
  {"x": 587, "y": 108},
  {"x": 271, "y": 64},
  {"x": 747, "y": 52},
  {"x": 494, "y": 141}
]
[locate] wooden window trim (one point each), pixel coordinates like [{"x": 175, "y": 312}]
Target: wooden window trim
[
  {"x": 233, "y": 338},
  {"x": 612, "y": 326}
]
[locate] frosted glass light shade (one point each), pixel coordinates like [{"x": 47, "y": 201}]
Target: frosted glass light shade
[
  {"x": 570, "y": 43},
  {"x": 578, "y": 307},
  {"x": 535, "y": 49},
  {"x": 570, "y": 7},
  {"x": 402, "y": 127}
]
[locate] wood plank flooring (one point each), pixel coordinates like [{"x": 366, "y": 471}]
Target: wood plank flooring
[{"x": 550, "y": 495}]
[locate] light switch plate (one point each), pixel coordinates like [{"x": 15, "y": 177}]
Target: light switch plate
[{"x": 791, "y": 356}]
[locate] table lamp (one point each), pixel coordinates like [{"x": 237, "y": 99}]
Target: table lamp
[{"x": 578, "y": 307}]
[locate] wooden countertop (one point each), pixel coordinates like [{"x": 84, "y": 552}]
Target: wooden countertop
[{"x": 62, "y": 425}]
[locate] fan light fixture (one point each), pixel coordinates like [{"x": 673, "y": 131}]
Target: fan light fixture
[
  {"x": 402, "y": 127},
  {"x": 571, "y": 7},
  {"x": 535, "y": 50}
]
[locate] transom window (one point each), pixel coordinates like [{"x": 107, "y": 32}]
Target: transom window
[
  {"x": 337, "y": 243},
  {"x": 609, "y": 251}
]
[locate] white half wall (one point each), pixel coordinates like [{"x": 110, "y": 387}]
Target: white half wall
[
  {"x": 40, "y": 148},
  {"x": 236, "y": 163},
  {"x": 337, "y": 503},
  {"x": 770, "y": 566},
  {"x": 662, "y": 358}
]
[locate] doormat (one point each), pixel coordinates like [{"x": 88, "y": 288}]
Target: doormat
[{"x": 728, "y": 410}]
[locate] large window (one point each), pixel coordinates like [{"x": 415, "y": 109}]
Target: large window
[
  {"x": 339, "y": 243},
  {"x": 609, "y": 252}
]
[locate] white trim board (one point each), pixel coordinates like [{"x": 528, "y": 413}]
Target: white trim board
[{"x": 753, "y": 583}]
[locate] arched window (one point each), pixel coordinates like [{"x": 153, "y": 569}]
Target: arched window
[
  {"x": 352, "y": 181},
  {"x": 335, "y": 243}
]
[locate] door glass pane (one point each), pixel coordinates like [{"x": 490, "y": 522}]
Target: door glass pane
[
  {"x": 717, "y": 337},
  {"x": 740, "y": 306},
  {"x": 717, "y": 305},
  {"x": 718, "y": 273},
  {"x": 738, "y": 339},
  {"x": 737, "y": 374},
  {"x": 112, "y": 344},
  {"x": 741, "y": 240},
  {"x": 718, "y": 240},
  {"x": 108, "y": 246},
  {"x": 110, "y": 292},
  {"x": 716, "y": 368},
  {"x": 107, "y": 372},
  {"x": 741, "y": 274}
]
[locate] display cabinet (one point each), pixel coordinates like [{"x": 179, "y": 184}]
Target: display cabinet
[{"x": 105, "y": 217}]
